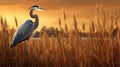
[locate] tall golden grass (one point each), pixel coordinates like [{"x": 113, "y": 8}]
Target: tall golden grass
[{"x": 99, "y": 47}]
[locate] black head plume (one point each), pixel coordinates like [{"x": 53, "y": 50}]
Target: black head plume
[{"x": 34, "y": 6}]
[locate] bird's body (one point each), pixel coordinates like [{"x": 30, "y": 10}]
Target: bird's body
[
  {"x": 23, "y": 33},
  {"x": 26, "y": 29}
]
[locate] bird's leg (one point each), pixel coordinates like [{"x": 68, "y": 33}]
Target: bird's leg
[
  {"x": 26, "y": 48},
  {"x": 26, "y": 51}
]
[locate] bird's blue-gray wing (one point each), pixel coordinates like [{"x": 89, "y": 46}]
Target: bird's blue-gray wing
[{"x": 23, "y": 33}]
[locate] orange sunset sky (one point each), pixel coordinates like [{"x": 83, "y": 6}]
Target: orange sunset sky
[{"x": 83, "y": 9}]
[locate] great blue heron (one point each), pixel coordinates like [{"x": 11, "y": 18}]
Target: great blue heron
[{"x": 26, "y": 29}]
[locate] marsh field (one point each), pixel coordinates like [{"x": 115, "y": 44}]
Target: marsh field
[{"x": 61, "y": 47}]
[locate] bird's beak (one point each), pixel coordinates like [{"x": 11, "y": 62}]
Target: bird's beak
[{"x": 41, "y": 9}]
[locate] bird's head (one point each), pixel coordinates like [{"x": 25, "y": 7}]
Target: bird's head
[{"x": 35, "y": 7}]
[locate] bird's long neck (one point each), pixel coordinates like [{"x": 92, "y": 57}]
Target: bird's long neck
[{"x": 36, "y": 18}]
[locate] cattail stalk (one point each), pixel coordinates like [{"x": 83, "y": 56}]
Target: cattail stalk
[
  {"x": 16, "y": 22},
  {"x": 83, "y": 26},
  {"x": 75, "y": 23},
  {"x": 64, "y": 14},
  {"x": 92, "y": 27},
  {"x": 60, "y": 24}
]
